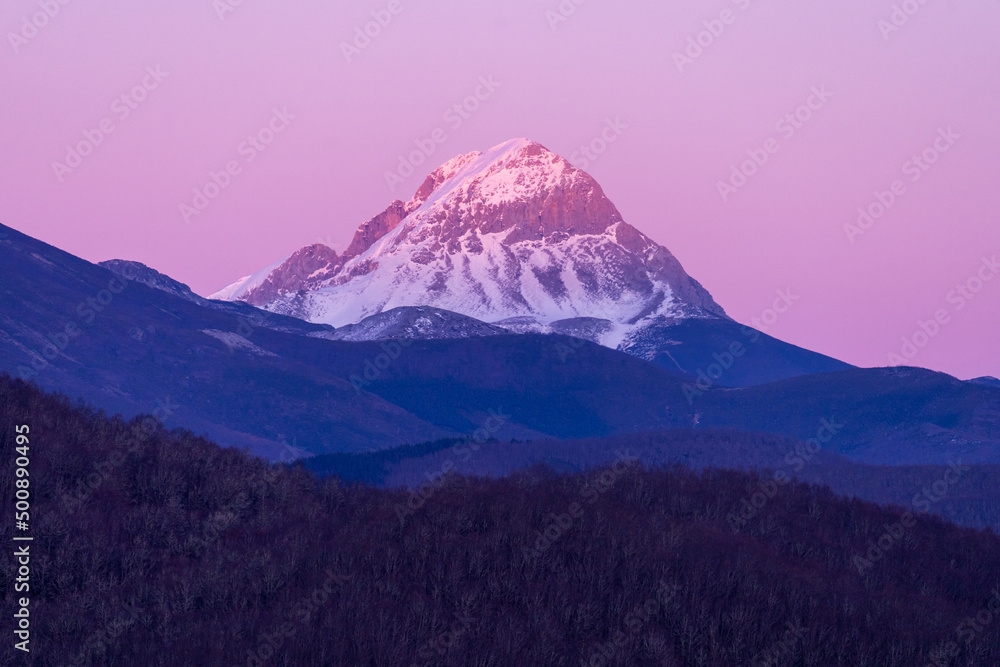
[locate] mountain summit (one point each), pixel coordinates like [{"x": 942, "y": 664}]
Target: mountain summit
[{"x": 515, "y": 235}]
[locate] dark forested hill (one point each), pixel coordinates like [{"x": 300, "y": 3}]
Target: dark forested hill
[
  {"x": 158, "y": 548},
  {"x": 968, "y": 495}
]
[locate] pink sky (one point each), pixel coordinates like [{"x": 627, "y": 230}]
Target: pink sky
[{"x": 891, "y": 94}]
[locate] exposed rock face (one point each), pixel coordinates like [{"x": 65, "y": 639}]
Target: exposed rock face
[
  {"x": 308, "y": 266},
  {"x": 139, "y": 272},
  {"x": 515, "y": 232}
]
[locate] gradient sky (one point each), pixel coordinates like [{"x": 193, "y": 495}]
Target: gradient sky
[{"x": 559, "y": 81}]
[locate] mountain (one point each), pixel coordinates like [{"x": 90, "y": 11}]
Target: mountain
[
  {"x": 252, "y": 317},
  {"x": 83, "y": 330},
  {"x": 287, "y": 391},
  {"x": 884, "y": 416},
  {"x": 417, "y": 322},
  {"x": 79, "y": 328},
  {"x": 514, "y": 232},
  {"x": 518, "y": 238},
  {"x": 574, "y": 389},
  {"x": 986, "y": 381},
  {"x": 139, "y": 272},
  {"x": 723, "y": 352}
]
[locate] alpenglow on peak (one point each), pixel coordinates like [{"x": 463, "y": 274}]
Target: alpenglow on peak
[{"x": 512, "y": 234}]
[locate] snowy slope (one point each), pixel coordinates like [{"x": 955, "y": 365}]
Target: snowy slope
[
  {"x": 241, "y": 287},
  {"x": 513, "y": 232}
]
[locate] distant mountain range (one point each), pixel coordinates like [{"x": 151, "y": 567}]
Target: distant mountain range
[
  {"x": 282, "y": 389},
  {"x": 987, "y": 381},
  {"x": 518, "y": 238},
  {"x": 973, "y": 499},
  {"x": 507, "y": 300}
]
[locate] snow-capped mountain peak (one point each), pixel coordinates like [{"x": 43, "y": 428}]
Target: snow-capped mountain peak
[{"x": 512, "y": 232}]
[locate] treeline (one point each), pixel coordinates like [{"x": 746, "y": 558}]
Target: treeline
[
  {"x": 158, "y": 548},
  {"x": 373, "y": 467},
  {"x": 968, "y": 495}
]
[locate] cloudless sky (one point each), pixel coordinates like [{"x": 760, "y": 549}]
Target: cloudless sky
[{"x": 225, "y": 69}]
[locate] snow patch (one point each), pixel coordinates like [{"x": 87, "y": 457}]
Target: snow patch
[
  {"x": 237, "y": 342},
  {"x": 246, "y": 283}
]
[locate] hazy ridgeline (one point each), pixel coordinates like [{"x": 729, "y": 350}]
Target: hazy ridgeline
[{"x": 159, "y": 548}]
